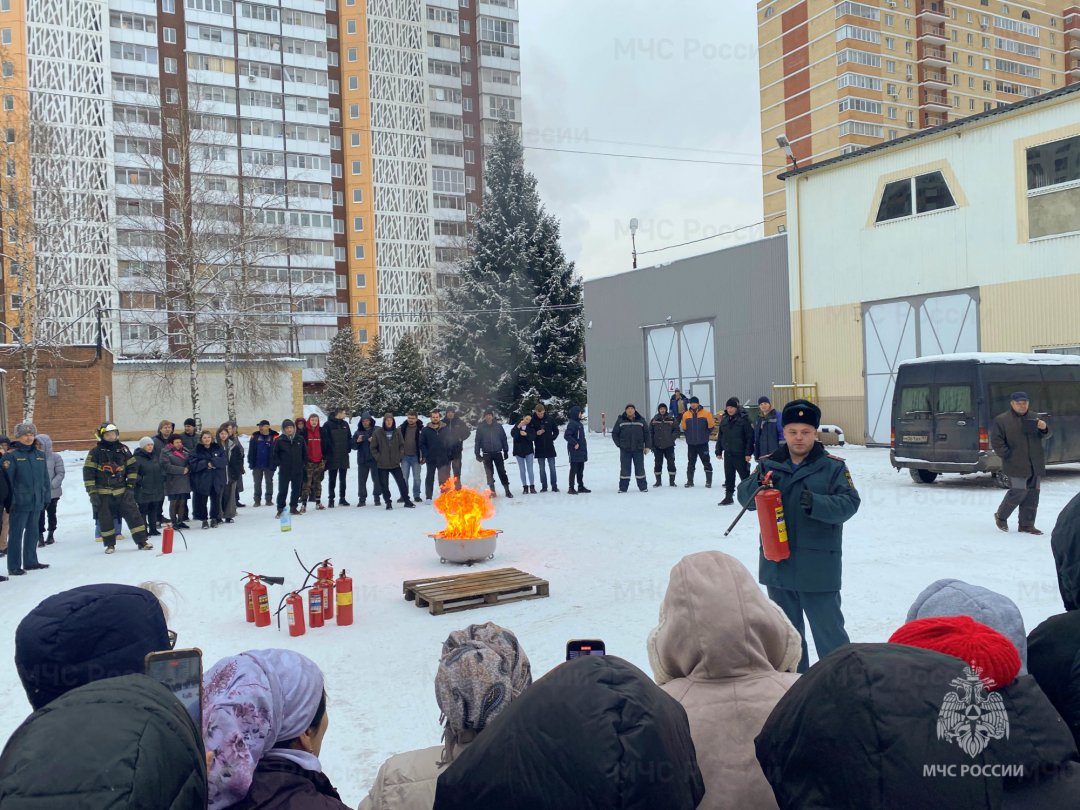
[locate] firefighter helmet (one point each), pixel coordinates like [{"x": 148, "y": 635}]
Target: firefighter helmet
[{"x": 106, "y": 427}]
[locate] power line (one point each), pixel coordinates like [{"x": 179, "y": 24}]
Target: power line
[
  {"x": 712, "y": 236},
  {"x": 652, "y": 157},
  {"x": 589, "y": 139}
]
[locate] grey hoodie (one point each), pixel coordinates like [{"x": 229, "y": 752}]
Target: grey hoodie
[
  {"x": 954, "y": 597},
  {"x": 54, "y": 464}
]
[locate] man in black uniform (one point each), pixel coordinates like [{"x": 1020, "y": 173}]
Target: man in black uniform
[
  {"x": 735, "y": 445},
  {"x": 109, "y": 475}
]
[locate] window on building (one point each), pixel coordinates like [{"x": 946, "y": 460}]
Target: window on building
[
  {"x": 361, "y": 280},
  {"x": 357, "y": 196},
  {"x": 358, "y": 223},
  {"x": 168, "y": 6},
  {"x": 5, "y": 36},
  {"x": 358, "y": 252},
  {"x": 914, "y": 195},
  {"x": 170, "y": 65},
  {"x": 356, "y": 168},
  {"x": 352, "y": 54},
  {"x": 168, "y": 35},
  {"x": 362, "y": 335}
]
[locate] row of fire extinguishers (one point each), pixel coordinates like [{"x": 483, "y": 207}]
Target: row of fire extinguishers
[{"x": 324, "y": 595}]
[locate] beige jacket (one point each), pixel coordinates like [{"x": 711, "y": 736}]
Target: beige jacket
[
  {"x": 727, "y": 654},
  {"x": 407, "y": 781}
]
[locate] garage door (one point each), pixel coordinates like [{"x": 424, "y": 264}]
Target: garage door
[
  {"x": 681, "y": 356},
  {"x": 920, "y": 326}
]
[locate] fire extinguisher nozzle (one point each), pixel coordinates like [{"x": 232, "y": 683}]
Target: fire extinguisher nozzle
[{"x": 273, "y": 580}]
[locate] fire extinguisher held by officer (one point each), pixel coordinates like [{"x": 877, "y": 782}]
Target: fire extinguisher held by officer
[{"x": 818, "y": 496}]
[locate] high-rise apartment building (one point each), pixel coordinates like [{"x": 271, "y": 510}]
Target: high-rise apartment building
[
  {"x": 298, "y": 164},
  {"x": 839, "y": 76}
]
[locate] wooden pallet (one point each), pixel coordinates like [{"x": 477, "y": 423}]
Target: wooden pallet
[{"x": 466, "y": 591}]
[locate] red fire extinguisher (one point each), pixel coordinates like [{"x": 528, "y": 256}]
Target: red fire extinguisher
[
  {"x": 167, "y": 541},
  {"x": 325, "y": 576},
  {"x": 344, "y": 600},
  {"x": 256, "y": 600},
  {"x": 315, "y": 606},
  {"x": 770, "y": 509},
  {"x": 294, "y": 604}
]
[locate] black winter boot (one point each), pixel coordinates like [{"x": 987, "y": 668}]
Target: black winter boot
[
  {"x": 708, "y": 479},
  {"x": 543, "y": 487},
  {"x": 672, "y": 477},
  {"x": 657, "y": 480},
  {"x": 532, "y": 489},
  {"x": 50, "y": 539}
]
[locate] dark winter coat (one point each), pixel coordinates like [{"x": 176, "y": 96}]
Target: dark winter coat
[
  {"x": 160, "y": 443},
  {"x": 816, "y": 539},
  {"x": 85, "y": 634},
  {"x": 150, "y": 481},
  {"x": 173, "y": 464},
  {"x": 736, "y": 435},
  {"x": 337, "y": 442},
  {"x": 577, "y": 442},
  {"x": 544, "y": 443},
  {"x": 697, "y": 426},
  {"x": 1019, "y": 443},
  {"x": 362, "y": 441},
  {"x": 109, "y": 469},
  {"x": 459, "y": 434},
  {"x": 387, "y": 446},
  {"x": 664, "y": 430},
  {"x": 259, "y": 446},
  {"x": 880, "y": 722},
  {"x": 5, "y": 493},
  {"x": 1054, "y": 661},
  {"x": 631, "y": 434},
  {"x": 490, "y": 440},
  {"x": 1065, "y": 543},
  {"x": 279, "y": 784},
  {"x": 768, "y": 434},
  {"x": 125, "y": 742},
  {"x": 674, "y": 406},
  {"x": 289, "y": 456},
  {"x": 410, "y": 435},
  {"x": 28, "y": 477},
  {"x": 586, "y": 736},
  {"x": 436, "y": 444},
  {"x": 522, "y": 436},
  {"x": 235, "y": 465},
  {"x": 189, "y": 440},
  {"x": 208, "y": 469}
]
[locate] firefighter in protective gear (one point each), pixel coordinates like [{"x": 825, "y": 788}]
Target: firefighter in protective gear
[{"x": 109, "y": 475}]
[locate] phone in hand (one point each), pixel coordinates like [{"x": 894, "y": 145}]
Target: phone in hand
[
  {"x": 580, "y": 647},
  {"x": 180, "y": 671}
]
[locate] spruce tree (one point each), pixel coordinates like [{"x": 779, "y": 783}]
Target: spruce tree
[
  {"x": 339, "y": 380},
  {"x": 512, "y": 328},
  {"x": 413, "y": 378},
  {"x": 373, "y": 380}
]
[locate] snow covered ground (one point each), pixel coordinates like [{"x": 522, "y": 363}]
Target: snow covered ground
[{"x": 607, "y": 557}]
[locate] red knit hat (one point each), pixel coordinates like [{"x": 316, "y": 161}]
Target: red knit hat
[{"x": 966, "y": 639}]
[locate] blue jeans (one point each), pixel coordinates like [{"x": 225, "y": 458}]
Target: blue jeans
[
  {"x": 525, "y": 463},
  {"x": 549, "y": 463},
  {"x": 22, "y": 540},
  {"x": 410, "y": 465}
]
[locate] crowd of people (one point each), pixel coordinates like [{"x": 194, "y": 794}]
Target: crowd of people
[{"x": 960, "y": 707}]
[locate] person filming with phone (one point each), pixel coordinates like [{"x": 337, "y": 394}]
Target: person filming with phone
[
  {"x": 818, "y": 497},
  {"x": 1017, "y": 438}
]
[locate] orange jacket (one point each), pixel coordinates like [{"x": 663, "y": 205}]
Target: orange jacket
[{"x": 697, "y": 428}]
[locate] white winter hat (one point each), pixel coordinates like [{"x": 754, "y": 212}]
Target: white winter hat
[{"x": 145, "y": 440}]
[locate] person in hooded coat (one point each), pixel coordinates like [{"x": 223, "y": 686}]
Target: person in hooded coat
[
  {"x": 336, "y": 442},
  {"x": 264, "y": 720},
  {"x": 577, "y": 449},
  {"x": 149, "y": 484},
  {"x": 122, "y": 743},
  {"x": 208, "y": 475},
  {"x": 727, "y": 654},
  {"x": 365, "y": 462},
  {"x": 480, "y": 666},
  {"x": 55, "y": 465},
  {"x": 86, "y": 633},
  {"x": 289, "y": 457},
  {"x": 593, "y": 734},
  {"x": 954, "y": 597},
  {"x": 387, "y": 446},
  {"x": 1054, "y": 661},
  {"x": 176, "y": 465},
  {"x": 859, "y": 729},
  {"x": 1065, "y": 544}
]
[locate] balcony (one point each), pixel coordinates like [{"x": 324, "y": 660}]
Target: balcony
[
  {"x": 935, "y": 101},
  {"x": 935, "y": 78},
  {"x": 935, "y": 120},
  {"x": 933, "y": 55},
  {"x": 931, "y": 32},
  {"x": 933, "y": 11},
  {"x": 1072, "y": 68}
]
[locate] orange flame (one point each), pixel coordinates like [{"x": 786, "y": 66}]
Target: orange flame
[{"x": 464, "y": 509}]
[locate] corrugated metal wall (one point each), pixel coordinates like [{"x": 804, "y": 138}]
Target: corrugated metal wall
[{"x": 744, "y": 290}]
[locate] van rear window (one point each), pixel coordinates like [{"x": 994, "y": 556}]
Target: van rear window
[
  {"x": 954, "y": 399},
  {"x": 915, "y": 401}
]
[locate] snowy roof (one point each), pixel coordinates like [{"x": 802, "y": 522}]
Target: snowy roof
[{"x": 1004, "y": 358}]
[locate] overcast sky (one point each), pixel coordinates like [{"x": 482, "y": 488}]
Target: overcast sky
[{"x": 677, "y": 74}]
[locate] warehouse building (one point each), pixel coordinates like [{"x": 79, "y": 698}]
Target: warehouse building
[{"x": 714, "y": 326}]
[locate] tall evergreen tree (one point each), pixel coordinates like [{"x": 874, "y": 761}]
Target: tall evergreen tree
[
  {"x": 413, "y": 378},
  {"x": 340, "y": 378},
  {"x": 373, "y": 379},
  {"x": 513, "y": 327}
]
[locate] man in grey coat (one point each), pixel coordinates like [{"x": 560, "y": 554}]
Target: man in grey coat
[{"x": 1017, "y": 438}]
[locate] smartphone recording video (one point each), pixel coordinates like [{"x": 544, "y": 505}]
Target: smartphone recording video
[
  {"x": 180, "y": 671},
  {"x": 582, "y": 647}
]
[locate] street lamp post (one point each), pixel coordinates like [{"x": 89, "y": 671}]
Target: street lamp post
[{"x": 633, "y": 239}]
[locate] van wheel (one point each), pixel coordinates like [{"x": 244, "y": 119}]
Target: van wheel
[
  {"x": 923, "y": 476},
  {"x": 1002, "y": 480}
]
